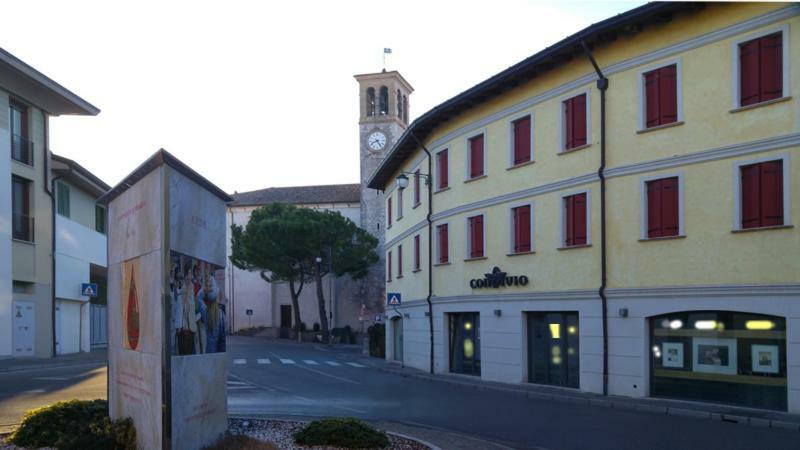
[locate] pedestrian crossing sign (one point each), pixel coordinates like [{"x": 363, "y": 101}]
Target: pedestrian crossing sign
[
  {"x": 89, "y": 289},
  {"x": 393, "y": 299}
]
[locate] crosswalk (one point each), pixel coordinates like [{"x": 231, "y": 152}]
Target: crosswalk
[{"x": 289, "y": 362}]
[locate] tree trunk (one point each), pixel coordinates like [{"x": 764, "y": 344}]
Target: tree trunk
[
  {"x": 323, "y": 318},
  {"x": 296, "y": 308}
]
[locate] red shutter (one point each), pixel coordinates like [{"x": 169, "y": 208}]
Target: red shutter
[
  {"x": 771, "y": 62},
  {"x": 389, "y": 266},
  {"x": 443, "y": 244},
  {"x": 522, "y": 140},
  {"x": 749, "y": 73},
  {"x": 416, "y": 188},
  {"x": 579, "y": 122},
  {"x": 476, "y": 156},
  {"x": 751, "y": 195},
  {"x": 416, "y": 252},
  {"x": 651, "y": 99},
  {"x": 443, "y": 170},
  {"x": 568, "y": 124},
  {"x": 476, "y": 236},
  {"x": 668, "y": 95},
  {"x": 654, "y": 209},
  {"x": 670, "y": 213},
  {"x": 771, "y": 191},
  {"x": 389, "y": 212},
  {"x": 522, "y": 229},
  {"x": 399, "y": 261},
  {"x": 579, "y": 220},
  {"x": 569, "y": 215}
]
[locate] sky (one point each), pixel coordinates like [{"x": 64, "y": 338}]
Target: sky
[{"x": 261, "y": 94}]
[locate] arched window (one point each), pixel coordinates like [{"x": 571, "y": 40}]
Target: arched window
[
  {"x": 383, "y": 102},
  {"x": 405, "y": 108},
  {"x": 399, "y": 105},
  {"x": 370, "y": 101}
]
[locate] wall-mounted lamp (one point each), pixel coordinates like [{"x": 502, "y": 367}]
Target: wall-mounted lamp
[
  {"x": 498, "y": 312},
  {"x": 623, "y": 312},
  {"x": 402, "y": 179},
  {"x": 427, "y": 314}
]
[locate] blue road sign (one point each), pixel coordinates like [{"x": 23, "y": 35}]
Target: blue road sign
[
  {"x": 393, "y": 299},
  {"x": 89, "y": 289}
]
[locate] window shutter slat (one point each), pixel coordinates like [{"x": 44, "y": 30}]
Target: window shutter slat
[
  {"x": 668, "y": 95},
  {"x": 579, "y": 122},
  {"x": 476, "y": 156},
  {"x": 749, "y": 73},
  {"x": 751, "y": 195},
  {"x": 579, "y": 221},
  {"x": 651, "y": 86},
  {"x": 771, "y": 190},
  {"x": 771, "y": 63},
  {"x": 670, "y": 220}
]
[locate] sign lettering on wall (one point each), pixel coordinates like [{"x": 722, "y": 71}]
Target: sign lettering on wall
[{"x": 497, "y": 279}]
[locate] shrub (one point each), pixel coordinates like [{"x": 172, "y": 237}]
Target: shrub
[
  {"x": 346, "y": 433},
  {"x": 74, "y": 425},
  {"x": 237, "y": 442}
]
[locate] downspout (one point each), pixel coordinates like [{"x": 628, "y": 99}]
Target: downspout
[
  {"x": 233, "y": 289},
  {"x": 429, "y": 183},
  {"x": 602, "y": 86},
  {"x": 49, "y": 189}
]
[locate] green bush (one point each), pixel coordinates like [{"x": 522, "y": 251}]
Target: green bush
[
  {"x": 74, "y": 425},
  {"x": 346, "y": 433}
]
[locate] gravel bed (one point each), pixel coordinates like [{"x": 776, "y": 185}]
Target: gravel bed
[{"x": 280, "y": 433}]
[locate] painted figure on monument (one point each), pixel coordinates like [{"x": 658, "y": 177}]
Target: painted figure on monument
[
  {"x": 131, "y": 313},
  {"x": 198, "y": 305}
]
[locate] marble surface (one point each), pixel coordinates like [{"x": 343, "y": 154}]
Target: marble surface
[{"x": 199, "y": 399}]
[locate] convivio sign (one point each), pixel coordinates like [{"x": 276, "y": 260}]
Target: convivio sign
[{"x": 498, "y": 279}]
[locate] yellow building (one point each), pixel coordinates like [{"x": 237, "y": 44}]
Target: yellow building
[{"x": 621, "y": 228}]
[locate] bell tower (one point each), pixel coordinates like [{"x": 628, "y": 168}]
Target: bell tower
[{"x": 383, "y": 116}]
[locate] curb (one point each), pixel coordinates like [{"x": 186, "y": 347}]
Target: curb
[
  {"x": 610, "y": 403},
  {"x": 52, "y": 366}
]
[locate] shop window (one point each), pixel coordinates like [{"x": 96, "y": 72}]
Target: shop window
[
  {"x": 761, "y": 69},
  {"x": 553, "y": 348},
  {"x": 476, "y": 157},
  {"x": 720, "y": 356},
  {"x": 465, "y": 343}
]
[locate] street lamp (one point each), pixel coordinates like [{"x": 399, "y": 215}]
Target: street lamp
[{"x": 402, "y": 181}]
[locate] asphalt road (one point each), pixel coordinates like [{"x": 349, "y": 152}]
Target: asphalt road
[
  {"x": 306, "y": 380},
  {"x": 27, "y": 389}
]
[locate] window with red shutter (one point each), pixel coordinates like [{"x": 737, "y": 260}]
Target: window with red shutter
[
  {"x": 522, "y": 140},
  {"x": 389, "y": 212},
  {"x": 476, "y": 156},
  {"x": 762, "y": 194},
  {"x": 575, "y": 122},
  {"x": 663, "y": 213},
  {"x": 399, "y": 261},
  {"x": 389, "y": 266},
  {"x": 575, "y": 220},
  {"x": 761, "y": 69},
  {"x": 476, "y": 236},
  {"x": 522, "y": 228},
  {"x": 661, "y": 96},
  {"x": 444, "y": 246},
  {"x": 416, "y": 188},
  {"x": 400, "y": 204},
  {"x": 416, "y": 253},
  {"x": 443, "y": 172}
]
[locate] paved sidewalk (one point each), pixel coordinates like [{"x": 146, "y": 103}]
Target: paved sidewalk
[
  {"x": 97, "y": 356},
  {"x": 743, "y": 416}
]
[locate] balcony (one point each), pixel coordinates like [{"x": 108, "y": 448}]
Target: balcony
[
  {"x": 21, "y": 149},
  {"x": 22, "y": 227}
]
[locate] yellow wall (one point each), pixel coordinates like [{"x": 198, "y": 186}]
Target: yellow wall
[{"x": 709, "y": 254}]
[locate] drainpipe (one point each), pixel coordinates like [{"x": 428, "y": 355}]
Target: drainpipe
[
  {"x": 602, "y": 86},
  {"x": 429, "y": 183},
  {"x": 233, "y": 289},
  {"x": 49, "y": 189}
]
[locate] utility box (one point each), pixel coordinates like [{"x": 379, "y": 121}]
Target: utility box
[{"x": 167, "y": 364}]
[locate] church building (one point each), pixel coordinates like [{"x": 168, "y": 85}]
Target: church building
[{"x": 253, "y": 302}]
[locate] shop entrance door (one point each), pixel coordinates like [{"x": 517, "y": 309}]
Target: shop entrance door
[
  {"x": 397, "y": 339},
  {"x": 553, "y": 348},
  {"x": 286, "y": 320},
  {"x": 465, "y": 343}
]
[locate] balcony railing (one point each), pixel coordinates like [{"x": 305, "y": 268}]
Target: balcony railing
[
  {"x": 22, "y": 149},
  {"x": 22, "y": 227}
]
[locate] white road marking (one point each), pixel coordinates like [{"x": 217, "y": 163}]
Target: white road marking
[
  {"x": 264, "y": 361},
  {"x": 52, "y": 378},
  {"x": 332, "y": 363},
  {"x": 34, "y": 391},
  {"x": 286, "y": 361},
  {"x": 346, "y": 380},
  {"x": 355, "y": 364},
  {"x": 310, "y": 362},
  {"x": 240, "y": 383},
  {"x": 240, "y": 361}
]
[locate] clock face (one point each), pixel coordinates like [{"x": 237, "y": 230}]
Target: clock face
[{"x": 376, "y": 141}]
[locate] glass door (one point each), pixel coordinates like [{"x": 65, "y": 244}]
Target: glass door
[
  {"x": 553, "y": 348},
  {"x": 465, "y": 344}
]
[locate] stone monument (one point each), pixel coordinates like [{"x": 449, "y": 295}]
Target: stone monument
[{"x": 167, "y": 364}]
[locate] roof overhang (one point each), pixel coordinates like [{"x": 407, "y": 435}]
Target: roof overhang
[
  {"x": 78, "y": 175},
  {"x": 551, "y": 57},
  {"x": 22, "y": 80}
]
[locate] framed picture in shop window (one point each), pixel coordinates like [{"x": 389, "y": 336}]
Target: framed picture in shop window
[
  {"x": 672, "y": 355},
  {"x": 713, "y": 355},
  {"x": 765, "y": 358}
]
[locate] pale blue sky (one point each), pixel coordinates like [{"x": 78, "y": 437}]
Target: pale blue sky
[{"x": 259, "y": 94}]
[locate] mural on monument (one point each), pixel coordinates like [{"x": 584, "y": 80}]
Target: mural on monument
[
  {"x": 198, "y": 305},
  {"x": 131, "y": 320}
]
